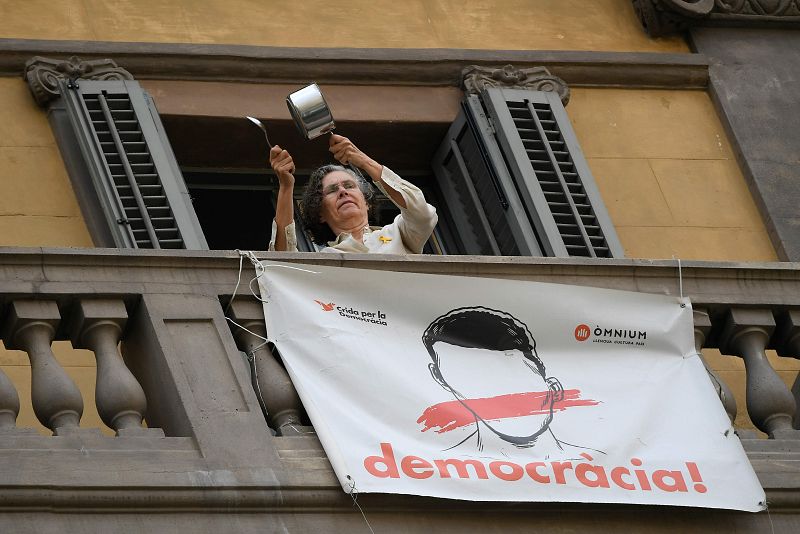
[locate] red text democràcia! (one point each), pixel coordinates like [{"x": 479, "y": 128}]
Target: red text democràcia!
[{"x": 633, "y": 478}]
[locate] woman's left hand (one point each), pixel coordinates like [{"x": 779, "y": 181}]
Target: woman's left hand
[{"x": 346, "y": 152}]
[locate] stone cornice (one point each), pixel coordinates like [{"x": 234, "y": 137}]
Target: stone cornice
[
  {"x": 442, "y": 67},
  {"x": 663, "y": 17},
  {"x": 477, "y": 78},
  {"x": 43, "y": 74}
]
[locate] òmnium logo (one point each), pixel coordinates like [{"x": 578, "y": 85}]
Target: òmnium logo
[
  {"x": 374, "y": 317},
  {"x": 613, "y": 336},
  {"x": 582, "y": 332}
]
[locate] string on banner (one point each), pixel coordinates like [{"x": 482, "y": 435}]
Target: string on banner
[
  {"x": 242, "y": 255},
  {"x": 354, "y": 495},
  {"x": 238, "y": 281},
  {"x": 680, "y": 280},
  {"x": 765, "y": 504},
  {"x": 251, "y": 355},
  {"x": 298, "y": 431}
]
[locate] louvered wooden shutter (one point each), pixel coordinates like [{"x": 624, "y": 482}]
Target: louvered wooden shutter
[
  {"x": 133, "y": 169},
  {"x": 486, "y": 212},
  {"x": 551, "y": 175}
]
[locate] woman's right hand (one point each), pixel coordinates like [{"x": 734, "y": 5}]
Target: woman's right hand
[{"x": 282, "y": 163}]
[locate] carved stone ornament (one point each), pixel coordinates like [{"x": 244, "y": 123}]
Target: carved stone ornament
[
  {"x": 477, "y": 78},
  {"x": 43, "y": 74},
  {"x": 662, "y": 17}
]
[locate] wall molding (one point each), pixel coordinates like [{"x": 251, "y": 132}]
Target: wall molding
[
  {"x": 477, "y": 78},
  {"x": 43, "y": 74},
  {"x": 437, "y": 67},
  {"x": 665, "y": 17}
]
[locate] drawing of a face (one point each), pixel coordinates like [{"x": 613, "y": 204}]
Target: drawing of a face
[{"x": 487, "y": 360}]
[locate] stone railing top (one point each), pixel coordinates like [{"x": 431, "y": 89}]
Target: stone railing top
[{"x": 127, "y": 272}]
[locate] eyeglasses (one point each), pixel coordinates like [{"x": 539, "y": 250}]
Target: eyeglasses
[{"x": 334, "y": 188}]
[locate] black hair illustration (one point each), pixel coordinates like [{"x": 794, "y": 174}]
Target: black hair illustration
[{"x": 486, "y": 328}]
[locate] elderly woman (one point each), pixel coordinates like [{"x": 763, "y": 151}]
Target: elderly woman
[{"x": 336, "y": 202}]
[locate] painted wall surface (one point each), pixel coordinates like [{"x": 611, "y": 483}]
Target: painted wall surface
[
  {"x": 608, "y": 25},
  {"x": 670, "y": 182},
  {"x": 668, "y": 175},
  {"x": 37, "y": 206}
]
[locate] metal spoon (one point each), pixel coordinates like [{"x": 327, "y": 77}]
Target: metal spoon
[{"x": 260, "y": 125}]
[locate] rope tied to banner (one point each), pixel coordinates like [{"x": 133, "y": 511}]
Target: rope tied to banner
[
  {"x": 680, "y": 280},
  {"x": 354, "y": 495}
]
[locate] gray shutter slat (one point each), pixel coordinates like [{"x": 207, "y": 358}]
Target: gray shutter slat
[
  {"x": 139, "y": 185},
  {"x": 462, "y": 210},
  {"x": 512, "y": 224},
  {"x": 171, "y": 177},
  {"x": 93, "y": 149},
  {"x": 467, "y": 184},
  {"x": 478, "y": 189},
  {"x": 551, "y": 174}
]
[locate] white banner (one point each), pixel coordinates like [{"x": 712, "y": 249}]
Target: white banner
[{"x": 501, "y": 390}]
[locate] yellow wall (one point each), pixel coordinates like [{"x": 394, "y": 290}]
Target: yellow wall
[
  {"x": 37, "y": 204},
  {"x": 38, "y": 208},
  {"x": 79, "y": 365},
  {"x": 668, "y": 176},
  {"x": 484, "y": 24},
  {"x": 671, "y": 185}
]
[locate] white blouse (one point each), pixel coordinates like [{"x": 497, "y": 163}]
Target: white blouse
[{"x": 407, "y": 234}]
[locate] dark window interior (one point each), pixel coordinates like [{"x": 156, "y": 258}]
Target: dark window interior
[
  {"x": 223, "y": 162},
  {"x": 236, "y": 209}
]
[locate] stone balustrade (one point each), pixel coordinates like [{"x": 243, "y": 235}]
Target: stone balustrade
[
  {"x": 226, "y": 430},
  {"x": 95, "y": 324},
  {"x": 273, "y": 387}
]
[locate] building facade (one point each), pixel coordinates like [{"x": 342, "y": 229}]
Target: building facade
[{"x": 669, "y": 129}]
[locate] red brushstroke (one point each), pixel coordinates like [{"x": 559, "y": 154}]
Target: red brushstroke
[{"x": 453, "y": 414}]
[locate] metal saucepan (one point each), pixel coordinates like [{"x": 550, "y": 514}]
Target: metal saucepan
[
  {"x": 312, "y": 116},
  {"x": 310, "y": 112}
]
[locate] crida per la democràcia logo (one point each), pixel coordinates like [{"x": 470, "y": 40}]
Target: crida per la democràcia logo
[{"x": 350, "y": 312}]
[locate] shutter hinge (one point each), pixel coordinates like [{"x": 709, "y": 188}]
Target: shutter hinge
[
  {"x": 123, "y": 221},
  {"x": 490, "y": 122}
]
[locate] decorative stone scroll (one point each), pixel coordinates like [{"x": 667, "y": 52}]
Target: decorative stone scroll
[
  {"x": 43, "y": 74},
  {"x": 662, "y": 17},
  {"x": 477, "y": 78}
]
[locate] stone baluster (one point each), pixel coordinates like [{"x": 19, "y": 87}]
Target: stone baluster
[
  {"x": 9, "y": 404},
  {"x": 769, "y": 403},
  {"x": 279, "y": 396},
  {"x": 97, "y": 324},
  {"x": 702, "y": 325},
  {"x": 787, "y": 343},
  {"x": 30, "y": 325}
]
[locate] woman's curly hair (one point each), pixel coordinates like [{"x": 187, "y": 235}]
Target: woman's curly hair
[{"x": 311, "y": 203}]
